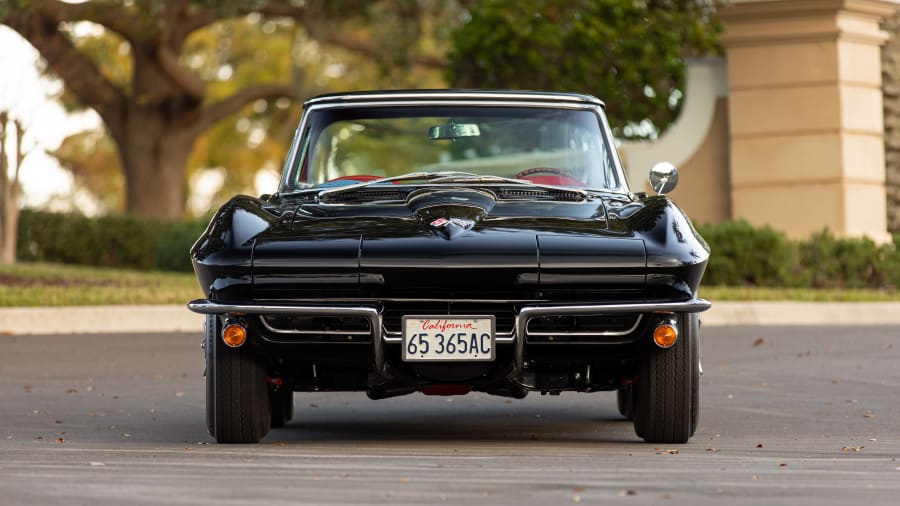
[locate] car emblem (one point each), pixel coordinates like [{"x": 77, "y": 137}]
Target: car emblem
[{"x": 440, "y": 223}]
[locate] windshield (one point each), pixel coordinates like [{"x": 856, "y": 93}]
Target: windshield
[{"x": 548, "y": 146}]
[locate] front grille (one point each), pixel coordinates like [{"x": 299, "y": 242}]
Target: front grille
[
  {"x": 393, "y": 313},
  {"x": 581, "y": 328},
  {"x": 297, "y": 328}
]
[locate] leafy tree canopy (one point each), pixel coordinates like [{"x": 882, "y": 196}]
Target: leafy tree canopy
[
  {"x": 169, "y": 77},
  {"x": 630, "y": 53}
]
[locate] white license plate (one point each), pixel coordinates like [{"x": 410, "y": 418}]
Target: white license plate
[{"x": 442, "y": 338}]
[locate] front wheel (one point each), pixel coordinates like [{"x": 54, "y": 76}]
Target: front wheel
[
  {"x": 667, "y": 392},
  {"x": 237, "y": 394}
]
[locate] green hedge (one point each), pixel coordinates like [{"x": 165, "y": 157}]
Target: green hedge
[
  {"x": 745, "y": 255},
  {"x": 108, "y": 241}
]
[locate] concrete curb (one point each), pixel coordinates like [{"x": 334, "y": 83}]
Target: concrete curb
[{"x": 177, "y": 318}]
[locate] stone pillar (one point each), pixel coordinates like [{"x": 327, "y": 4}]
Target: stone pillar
[{"x": 805, "y": 114}]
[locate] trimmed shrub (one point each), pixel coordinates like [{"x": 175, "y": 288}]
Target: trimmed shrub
[
  {"x": 845, "y": 263},
  {"x": 745, "y": 255},
  {"x": 108, "y": 241}
]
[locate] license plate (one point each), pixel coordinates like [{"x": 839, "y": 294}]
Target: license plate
[{"x": 444, "y": 339}]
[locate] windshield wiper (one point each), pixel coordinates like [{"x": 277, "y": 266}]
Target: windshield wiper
[
  {"x": 428, "y": 176},
  {"x": 448, "y": 177},
  {"x": 474, "y": 178}
]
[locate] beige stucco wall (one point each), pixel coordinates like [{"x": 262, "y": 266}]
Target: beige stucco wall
[
  {"x": 703, "y": 188},
  {"x": 805, "y": 115},
  {"x": 697, "y": 143}
]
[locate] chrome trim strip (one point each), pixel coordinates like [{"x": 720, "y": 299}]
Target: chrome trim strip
[
  {"x": 390, "y": 97},
  {"x": 204, "y": 306},
  {"x": 690, "y": 306},
  {"x": 585, "y": 334},
  {"x": 272, "y": 329}
]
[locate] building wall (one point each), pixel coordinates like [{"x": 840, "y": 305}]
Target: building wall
[{"x": 794, "y": 135}]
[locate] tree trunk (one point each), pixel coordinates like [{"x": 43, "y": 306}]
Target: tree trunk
[
  {"x": 10, "y": 231},
  {"x": 154, "y": 157}
]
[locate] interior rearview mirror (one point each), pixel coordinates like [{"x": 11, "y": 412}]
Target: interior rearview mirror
[{"x": 453, "y": 131}]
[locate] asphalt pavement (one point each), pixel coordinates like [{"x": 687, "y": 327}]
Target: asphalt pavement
[{"x": 789, "y": 415}]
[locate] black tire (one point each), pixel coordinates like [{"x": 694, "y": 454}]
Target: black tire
[
  {"x": 237, "y": 395},
  {"x": 625, "y": 402},
  {"x": 667, "y": 392},
  {"x": 282, "y": 407}
]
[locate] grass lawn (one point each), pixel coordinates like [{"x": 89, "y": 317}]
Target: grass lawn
[{"x": 36, "y": 284}]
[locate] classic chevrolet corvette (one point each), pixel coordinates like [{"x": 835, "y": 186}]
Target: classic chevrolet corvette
[{"x": 444, "y": 242}]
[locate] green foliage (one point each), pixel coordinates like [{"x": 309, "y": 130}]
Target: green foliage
[
  {"x": 629, "y": 53},
  {"x": 109, "y": 241},
  {"x": 844, "y": 263},
  {"x": 743, "y": 255}
]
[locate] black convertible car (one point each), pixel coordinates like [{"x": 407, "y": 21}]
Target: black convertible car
[{"x": 444, "y": 242}]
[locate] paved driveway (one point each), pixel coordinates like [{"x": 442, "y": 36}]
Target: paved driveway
[{"x": 789, "y": 416}]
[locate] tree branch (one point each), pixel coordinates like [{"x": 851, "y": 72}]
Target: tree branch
[
  {"x": 368, "y": 48},
  {"x": 338, "y": 38},
  {"x": 79, "y": 73},
  {"x": 217, "y": 111},
  {"x": 179, "y": 75},
  {"x": 115, "y": 18}
]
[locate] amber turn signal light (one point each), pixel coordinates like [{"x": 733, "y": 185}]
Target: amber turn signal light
[
  {"x": 665, "y": 335},
  {"x": 234, "y": 335}
]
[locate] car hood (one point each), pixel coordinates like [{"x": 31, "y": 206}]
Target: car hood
[{"x": 452, "y": 243}]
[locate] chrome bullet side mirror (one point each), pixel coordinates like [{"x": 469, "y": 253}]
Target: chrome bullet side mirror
[{"x": 663, "y": 178}]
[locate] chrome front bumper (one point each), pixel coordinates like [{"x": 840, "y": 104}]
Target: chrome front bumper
[{"x": 379, "y": 337}]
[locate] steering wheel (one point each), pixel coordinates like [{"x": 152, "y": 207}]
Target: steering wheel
[{"x": 548, "y": 175}]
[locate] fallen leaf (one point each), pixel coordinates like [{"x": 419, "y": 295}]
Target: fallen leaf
[
  {"x": 72, "y": 391},
  {"x": 868, "y": 414},
  {"x": 157, "y": 377},
  {"x": 97, "y": 464},
  {"x": 758, "y": 342},
  {"x": 313, "y": 405},
  {"x": 60, "y": 440},
  {"x": 58, "y": 421},
  {"x": 39, "y": 438},
  {"x": 760, "y": 445},
  {"x": 755, "y": 477},
  {"x": 712, "y": 450},
  {"x": 179, "y": 394},
  {"x": 28, "y": 389},
  {"x": 578, "y": 490},
  {"x": 661, "y": 451},
  {"x": 404, "y": 479},
  {"x": 576, "y": 498},
  {"x": 623, "y": 493},
  {"x": 782, "y": 465},
  {"x": 852, "y": 448}
]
